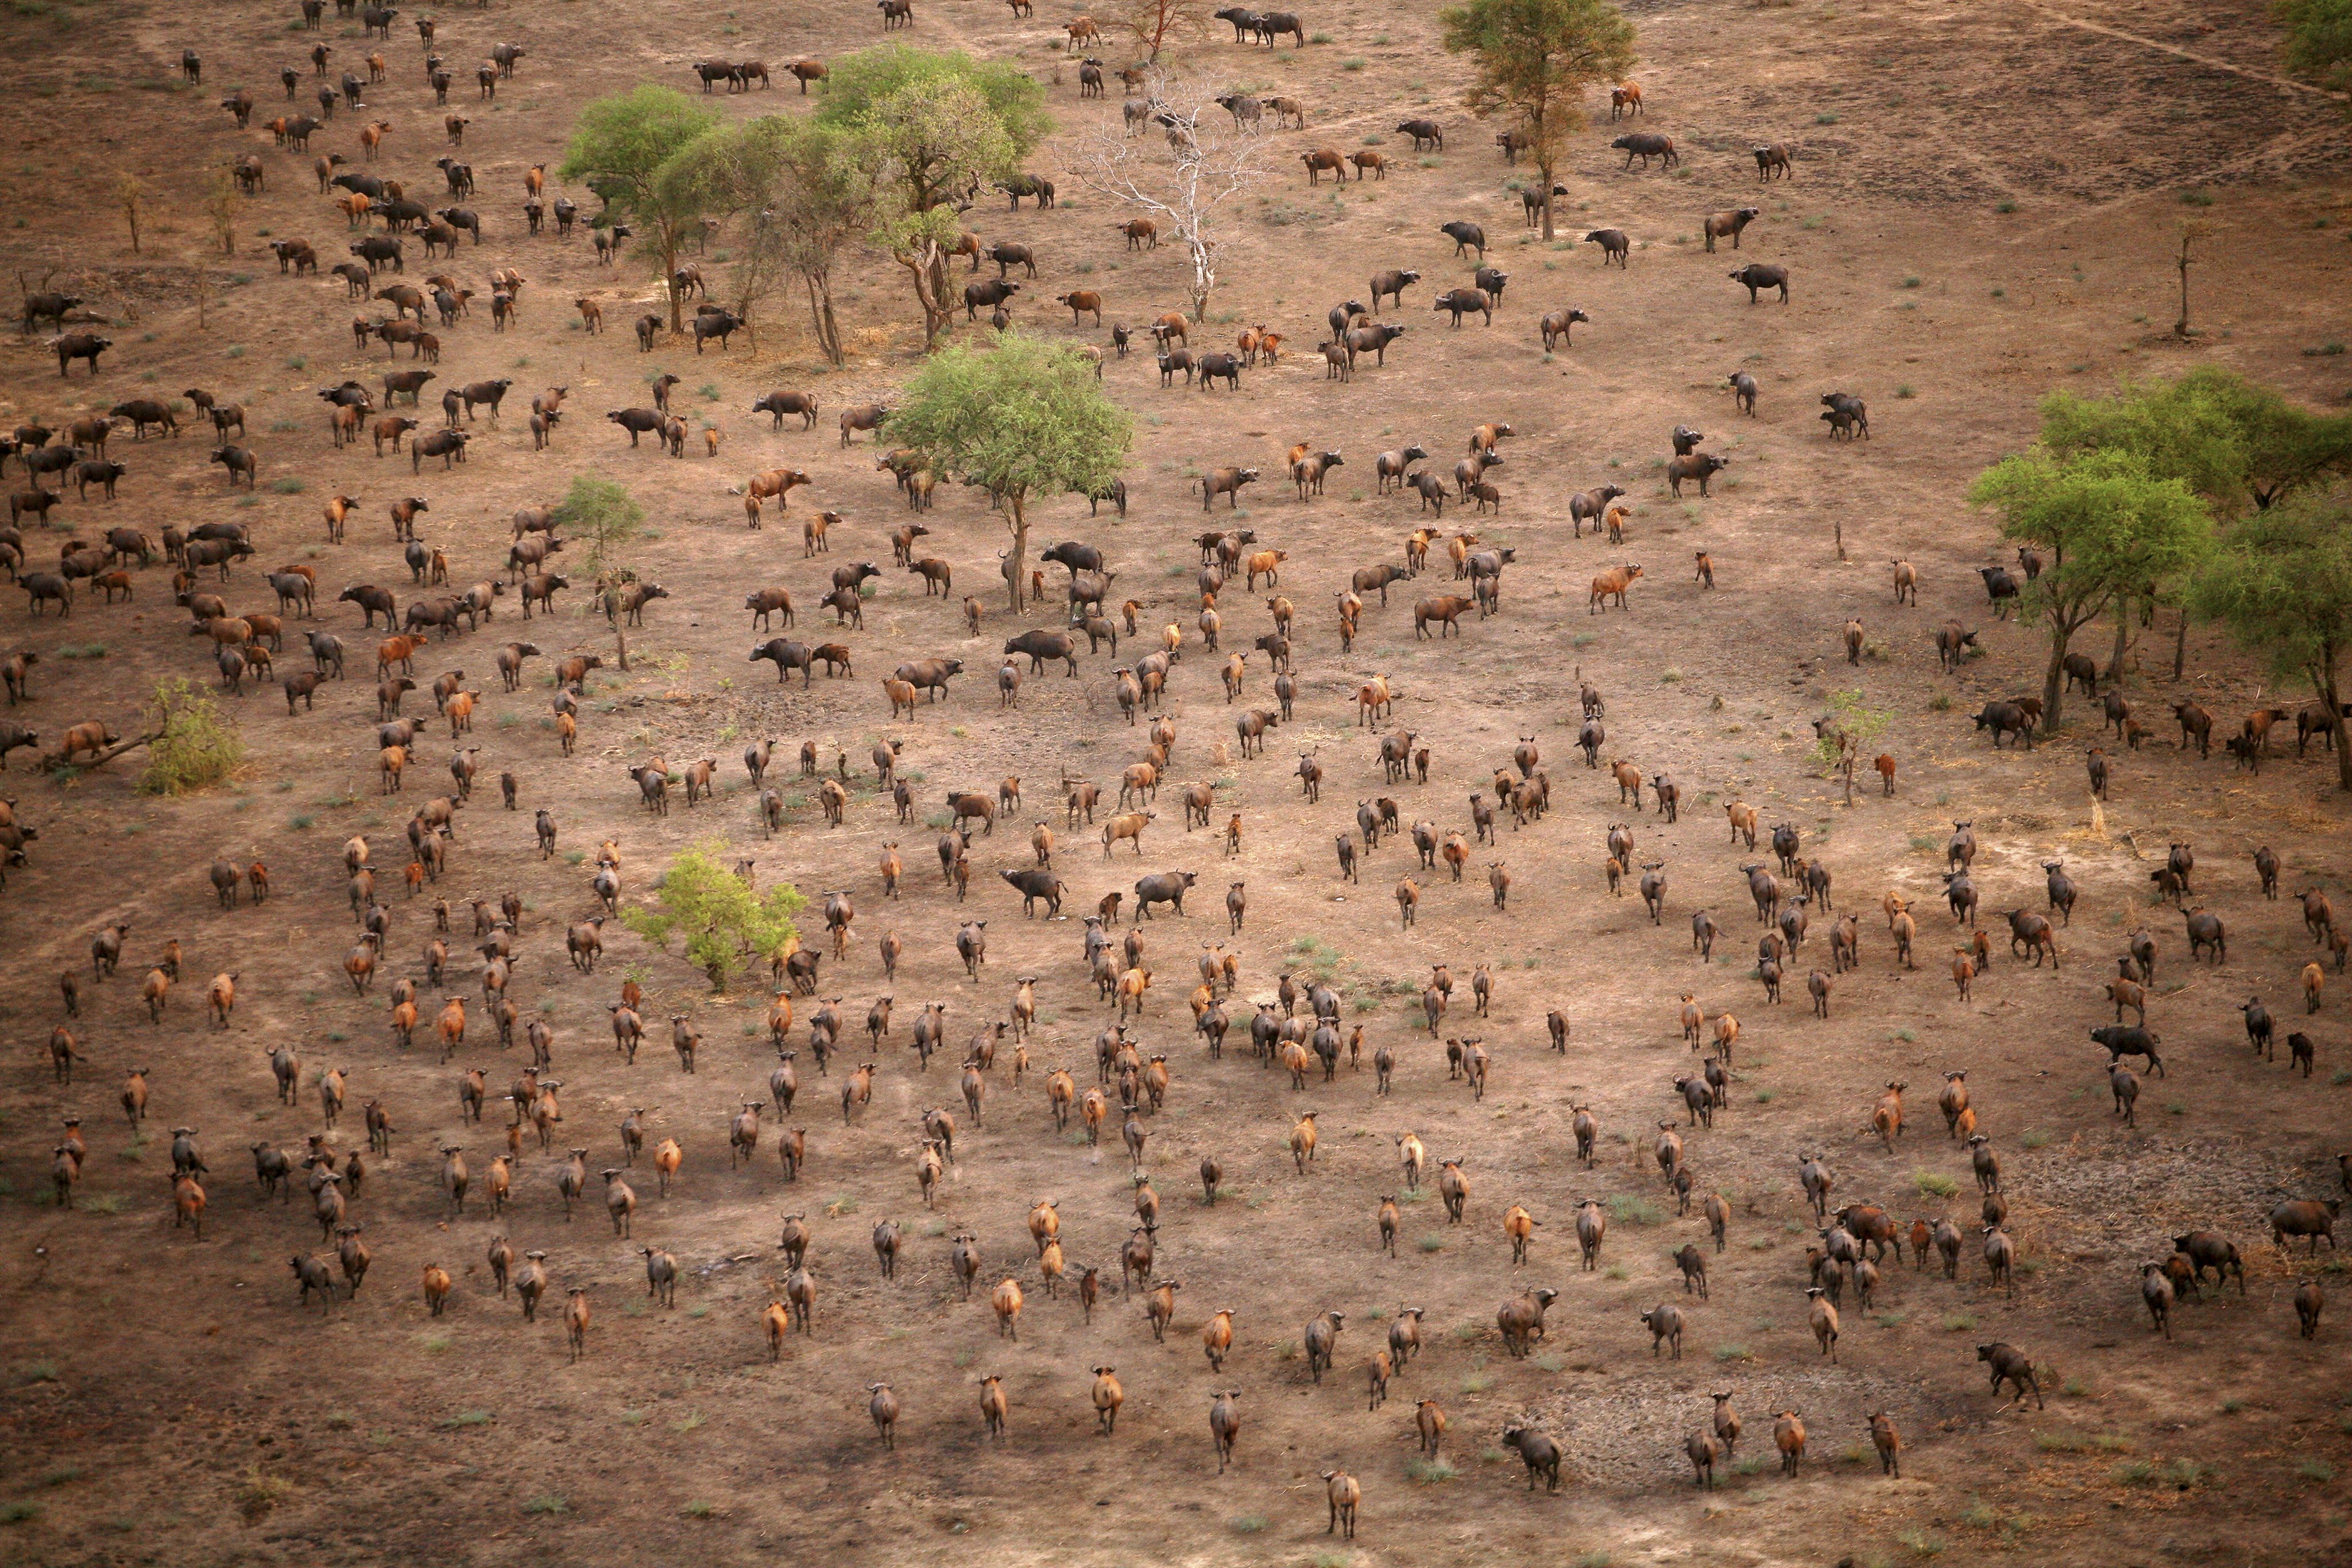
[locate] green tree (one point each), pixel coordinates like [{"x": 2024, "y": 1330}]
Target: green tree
[
  {"x": 1536, "y": 58},
  {"x": 618, "y": 149},
  {"x": 716, "y": 913},
  {"x": 859, "y": 84},
  {"x": 194, "y": 746},
  {"x": 2233, "y": 442},
  {"x": 2319, "y": 39},
  {"x": 930, "y": 130},
  {"x": 604, "y": 516},
  {"x": 2111, "y": 528},
  {"x": 2282, "y": 583},
  {"x": 802, "y": 197},
  {"x": 1023, "y": 418}
]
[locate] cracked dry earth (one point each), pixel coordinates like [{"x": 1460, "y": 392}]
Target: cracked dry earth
[{"x": 1984, "y": 205}]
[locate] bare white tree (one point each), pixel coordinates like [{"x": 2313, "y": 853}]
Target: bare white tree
[{"x": 1210, "y": 156}]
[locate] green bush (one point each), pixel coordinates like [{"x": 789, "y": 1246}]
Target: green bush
[
  {"x": 720, "y": 916},
  {"x": 194, "y": 746}
]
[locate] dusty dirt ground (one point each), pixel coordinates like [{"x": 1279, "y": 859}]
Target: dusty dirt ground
[{"x": 1983, "y": 206}]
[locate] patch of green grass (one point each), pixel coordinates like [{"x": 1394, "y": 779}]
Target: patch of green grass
[
  {"x": 1825, "y": 119},
  {"x": 1906, "y": 391},
  {"x": 1352, "y": 64},
  {"x": 1477, "y": 1383},
  {"x": 694, "y": 1420},
  {"x": 696, "y": 1510},
  {"x": 548, "y": 1502},
  {"x": 1430, "y": 1472},
  {"x": 2112, "y": 1443},
  {"x": 1919, "y": 1543},
  {"x": 468, "y": 1418},
  {"x": 2004, "y": 206},
  {"x": 1751, "y": 1465},
  {"x": 1764, "y": 1096},
  {"x": 1629, "y": 1210},
  {"x": 2034, "y": 1138},
  {"x": 1960, "y": 1322},
  {"x": 2196, "y": 198},
  {"x": 2060, "y": 1442},
  {"x": 19, "y": 1512},
  {"x": 299, "y": 821},
  {"x": 2326, "y": 350},
  {"x": 1431, "y": 1243},
  {"x": 1932, "y": 1183},
  {"x": 2316, "y": 1470},
  {"x": 99, "y": 1203},
  {"x": 2075, "y": 1388},
  {"x": 1246, "y": 1524},
  {"x": 1733, "y": 1353}
]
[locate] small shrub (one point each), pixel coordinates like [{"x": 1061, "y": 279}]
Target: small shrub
[
  {"x": 1477, "y": 1383},
  {"x": 1351, "y": 65},
  {"x": 468, "y": 1418},
  {"x": 548, "y": 1502},
  {"x": 1433, "y": 1243},
  {"x": 2004, "y": 206},
  {"x": 1629, "y": 1210},
  {"x": 19, "y": 1512},
  {"x": 1751, "y": 1465},
  {"x": 2135, "y": 1473},
  {"x": 2034, "y": 1138},
  {"x": 1934, "y": 1185},
  {"x": 2196, "y": 198},
  {"x": 1906, "y": 391},
  {"x": 1825, "y": 119},
  {"x": 195, "y": 746},
  {"x": 1960, "y": 1322},
  {"x": 1919, "y": 1543},
  {"x": 2316, "y": 1470},
  {"x": 1733, "y": 1353},
  {"x": 1430, "y": 1472},
  {"x": 696, "y": 1510},
  {"x": 1246, "y": 1524}
]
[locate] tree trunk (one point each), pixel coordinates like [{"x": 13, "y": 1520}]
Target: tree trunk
[
  {"x": 2053, "y": 679},
  {"x": 2181, "y": 643},
  {"x": 929, "y": 295},
  {"x": 669, "y": 241},
  {"x": 1016, "y": 560},
  {"x": 2123, "y": 642},
  {"x": 1543, "y": 169},
  {"x": 2323, "y": 680},
  {"x": 828, "y": 335}
]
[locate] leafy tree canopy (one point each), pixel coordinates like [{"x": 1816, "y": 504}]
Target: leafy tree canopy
[
  {"x": 863, "y": 83},
  {"x": 2228, "y": 439},
  {"x": 619, "y": 143},
  {"x": 2319, "y": 39},
  {"x": 1024, "y": 417}
]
